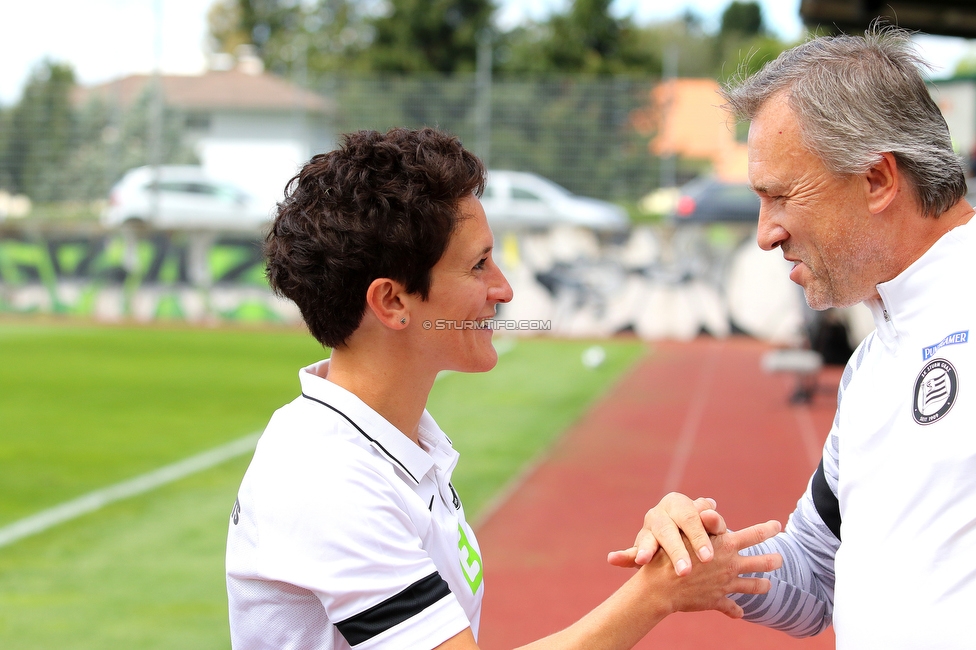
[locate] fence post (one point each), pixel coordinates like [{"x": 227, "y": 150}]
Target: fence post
[{"x": 483, "y": 93}]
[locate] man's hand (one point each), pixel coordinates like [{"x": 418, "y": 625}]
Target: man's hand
[
  {"x": 709, "y": 584},
  {"x": 663, "y": 528}
]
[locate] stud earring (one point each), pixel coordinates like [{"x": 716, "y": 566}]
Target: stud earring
[{"x": 403, "y": 321}]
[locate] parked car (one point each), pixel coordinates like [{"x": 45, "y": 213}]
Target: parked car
[
  {"x": 187, "y": 198},
  {"x": 525, "y": 200},
  {"x": 708, "y": 200}
]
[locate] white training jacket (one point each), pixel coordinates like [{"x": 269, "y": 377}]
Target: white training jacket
[{"x": 883, "y": 542}]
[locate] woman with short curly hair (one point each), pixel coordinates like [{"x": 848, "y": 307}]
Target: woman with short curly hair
[{"x": 347, "y": 531}]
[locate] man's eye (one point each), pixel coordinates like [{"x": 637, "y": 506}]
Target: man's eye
[{"x": 480, "y": 265}]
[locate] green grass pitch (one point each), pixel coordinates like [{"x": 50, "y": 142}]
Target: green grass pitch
[{"x": 82, "y": 407}]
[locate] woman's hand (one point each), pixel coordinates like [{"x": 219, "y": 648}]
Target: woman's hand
[{"x": 664, "y": 525}]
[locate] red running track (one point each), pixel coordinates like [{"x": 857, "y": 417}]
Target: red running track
[{"x": 701, "y": 418}]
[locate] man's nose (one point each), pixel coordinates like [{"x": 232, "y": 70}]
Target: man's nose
[{"x": 770, "y": 234}]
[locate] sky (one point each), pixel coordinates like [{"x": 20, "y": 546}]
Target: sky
[{"x": 107, "y": 39}]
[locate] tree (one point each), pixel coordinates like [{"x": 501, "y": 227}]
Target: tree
[
  {"x": 585, "y": 39},
  {"x": 53, "y": 150},
  {"x": 40, "y": 134},
  {"x": 6, "y": 134},
  {"x": 743, "y": 45},
  {"x": 108, "y": 142},
  {"x": 747, "y": 57},
  {"x": 324, "y": 36},
  {"x": 685, "y": 42},
  {"x": 967, "y": 64},
  {"x": 292, "y": 38},
  {"x": 427, "y": 36},
  {"x": 743, "y": 19}
]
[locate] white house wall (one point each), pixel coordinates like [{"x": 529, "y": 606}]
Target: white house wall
[{"x": 260, "y": 151}]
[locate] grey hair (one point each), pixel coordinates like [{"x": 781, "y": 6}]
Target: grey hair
[{"x": 856, "y": 98}]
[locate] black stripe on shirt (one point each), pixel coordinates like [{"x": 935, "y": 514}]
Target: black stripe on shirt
[
  {"x": 395, "y": 610},
  {"x": 826, "y": 501},
  {"x": 365, "y": 435}
]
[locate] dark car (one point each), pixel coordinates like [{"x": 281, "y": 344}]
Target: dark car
[{"x": 709, "y": 200}]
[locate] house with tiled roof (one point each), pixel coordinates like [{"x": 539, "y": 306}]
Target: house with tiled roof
[
  {"x": 686, "y": 119},
  {"x": 245, "y": 125}
]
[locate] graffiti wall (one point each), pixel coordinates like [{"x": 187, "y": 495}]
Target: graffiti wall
[
  {"x": 113, "y": 276},
  {"x": 580, "y": 286}
]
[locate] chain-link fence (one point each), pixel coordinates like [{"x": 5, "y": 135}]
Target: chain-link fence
[
  {"x": 57, "y": 149},
  {"x": 576, "y": 132}
]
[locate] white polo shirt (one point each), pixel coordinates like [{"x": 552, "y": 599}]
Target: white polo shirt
[{"x": 347, "y": 534}]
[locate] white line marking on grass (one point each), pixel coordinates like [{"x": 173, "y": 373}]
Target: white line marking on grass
[{"x": 138, "y": 485}]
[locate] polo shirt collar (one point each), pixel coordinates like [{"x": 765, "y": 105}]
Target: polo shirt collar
[
  {"x": 912, "y": 292},
  {"x": 408, "y": 458}
]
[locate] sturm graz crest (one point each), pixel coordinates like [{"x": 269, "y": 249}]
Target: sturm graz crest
[{"x": 935, "y": 391}]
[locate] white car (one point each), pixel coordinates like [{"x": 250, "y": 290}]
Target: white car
[
  {"x": 185, "y": 198},
  {"x": 515, "y": 200}
]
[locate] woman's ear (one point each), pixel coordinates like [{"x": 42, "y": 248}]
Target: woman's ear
[
  {"x": 882, "y": 181},
  {"x": 384, "y": 298}
]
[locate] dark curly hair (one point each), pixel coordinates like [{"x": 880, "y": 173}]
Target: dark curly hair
[{"x": 379, "y": 206}]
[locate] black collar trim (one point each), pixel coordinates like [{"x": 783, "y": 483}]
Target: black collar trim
[{"x": 365, "y": 435}]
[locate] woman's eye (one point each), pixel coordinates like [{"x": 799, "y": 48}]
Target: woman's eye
[{"x": 480, "y": 265}]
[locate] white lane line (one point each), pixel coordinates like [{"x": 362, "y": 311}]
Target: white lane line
[
  {"x": 689, "y": 429},
  {"x": 92, "y": 501},
  {"x": 812, "y": 443}
]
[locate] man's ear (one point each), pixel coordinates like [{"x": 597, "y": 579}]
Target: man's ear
[
  {"x": 384, "y": 298},
  {"x": 882, "y": 180}
]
